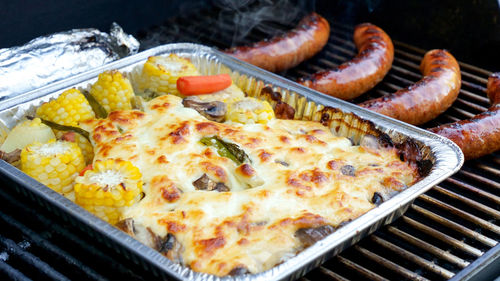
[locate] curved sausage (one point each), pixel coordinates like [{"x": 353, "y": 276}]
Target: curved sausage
[
  {"x": 429, "y": 97},
  {"x": 355, "y": 77},
  {"x": 288, "y": 50},
  {"x": 479, "y": 135}
]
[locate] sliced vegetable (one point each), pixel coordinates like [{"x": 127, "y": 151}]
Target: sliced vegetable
[
  {"x": 68, "y": 109},
  {"x": 55, "y": 163},
  {"x": 225, "y": 149},
  {"x": 99, "y": 110},
  {"x": 113, "y": 91},
  {"x": 109, "y": 187},
  {"x": 26, "y": 133},
  {"x": 212, "y": 110},
  {"x": 60, "y": 127},
  {"x": 199, "y": 85}
]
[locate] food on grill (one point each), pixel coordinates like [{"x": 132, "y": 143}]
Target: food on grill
[
  {"x": 250, "y": 111},
  {"x": 198, "y": 85},
  {"x": 212, "y": 110},
  {"x": 27, "y": 132},
  {"x": 160, "y": 73},
  {"x": 287, "y": 50},
  {"x": 215, "y": 181},
  {"x": 82, "y": 142},
  {"x": 239, "y": 197},
  {"x": 479, "y": 135},
  {"x": 429, "y": 97},
  {"x": 68, "y": 109},
  {"x": 54, "y": 163},
  {"x": 355, "y": 77},
  {"x": 108, "y": 188},
  {"x": 112, "y": 91}
]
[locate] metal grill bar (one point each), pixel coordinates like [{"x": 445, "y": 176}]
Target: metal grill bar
[
  {"x": 455, "y": 226},
  {"x": 412, "y": 257},
  {"x": 437, "y": 252},
  {"x": 443, "y": 232}
]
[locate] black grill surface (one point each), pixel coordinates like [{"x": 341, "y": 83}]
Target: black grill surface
[{"x": 449, "y": 231}]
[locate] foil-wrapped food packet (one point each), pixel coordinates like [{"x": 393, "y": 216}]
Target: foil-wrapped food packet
[{"x": 50, "y": 58}]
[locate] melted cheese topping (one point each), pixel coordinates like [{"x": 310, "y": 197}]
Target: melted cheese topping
[{"x": 300, "y": 176}]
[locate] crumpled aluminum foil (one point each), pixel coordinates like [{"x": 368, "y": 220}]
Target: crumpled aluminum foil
[{"x": 50, "y": 58}]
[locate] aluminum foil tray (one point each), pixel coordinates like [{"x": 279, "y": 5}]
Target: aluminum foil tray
[{"x": 442, "y": 156}]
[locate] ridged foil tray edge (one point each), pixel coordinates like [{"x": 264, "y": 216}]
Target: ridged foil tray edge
[{"x": 446, "y": 158}]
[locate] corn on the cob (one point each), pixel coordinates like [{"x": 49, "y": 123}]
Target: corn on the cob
[
  {"x": 250, "y": 111},
  {"x": 81, "y": 141},
  {"x": 108, "y": 188},
  {"x": 68, "y": 109},
  {"x": 113, "y": 91},
  {"x": 55, "y": 163},
  {"x": 160, "y": 74}
]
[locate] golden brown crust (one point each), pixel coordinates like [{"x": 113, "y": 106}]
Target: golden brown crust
[
  {"x": 357, "y": 76},
  {"x": 288, "y": 50},
  {"x": 289, "y": 183}
]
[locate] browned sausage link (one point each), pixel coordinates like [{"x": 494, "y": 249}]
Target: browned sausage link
[
  {"x": 429, "y": 97},
  {"x": 287, "y": 50},
  {"x": 355, "y": 77},
  {"x": 480, "y": 135}
]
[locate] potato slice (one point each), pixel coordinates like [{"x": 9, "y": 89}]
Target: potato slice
[{"x": 26, "y": 133}]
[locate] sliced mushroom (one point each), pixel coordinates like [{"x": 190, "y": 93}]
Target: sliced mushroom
[
  {"x": 11, "y": 157},
  {"x": 348, "y": 170},
  {"x": 212, "y": 110},
  {"x": 311, "y": 235},
  {"x": 282, "y": 110},
  {"x": 205, "y": 183},
  {"x": 238, "y": 270},
  {"x": 377, "y": 198},
  {"x": 168, "y": 245}
]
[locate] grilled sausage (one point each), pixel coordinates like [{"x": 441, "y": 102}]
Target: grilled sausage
[
  {"x": 429, "y": 97},
  {"x": 288, "y": 50},
  {"x": 479, "y": 135},
  {"x": 362, "y": 73}
]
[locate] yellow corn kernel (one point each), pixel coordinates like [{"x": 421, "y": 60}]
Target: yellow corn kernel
[
  {"x": 113, "y": 91},
  {"x": 250, "y": 111},
  {"x": 160, "y": 74},
  {"x": 108, "y": 188},
  {"x": 55, "y": 163},
  {"x": 82, "y": 142},
  {"x": 68, "y": 109}
]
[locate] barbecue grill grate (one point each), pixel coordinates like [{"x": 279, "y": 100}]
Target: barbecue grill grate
[{"x": 443, "y": 232}]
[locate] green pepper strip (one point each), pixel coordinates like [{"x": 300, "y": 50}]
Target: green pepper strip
[
  {"x": 64, "y": 127},
  {"x": 100, "y": 111},
  {"x": 229, "y": 150}
]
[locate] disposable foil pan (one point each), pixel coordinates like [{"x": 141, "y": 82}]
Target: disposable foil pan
[{"x": 442, "y": 156}]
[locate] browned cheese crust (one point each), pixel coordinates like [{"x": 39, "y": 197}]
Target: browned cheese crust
[{"x": 216, "y": 216}]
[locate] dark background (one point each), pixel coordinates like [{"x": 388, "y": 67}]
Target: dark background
[{"x": 470, "y": 29}]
